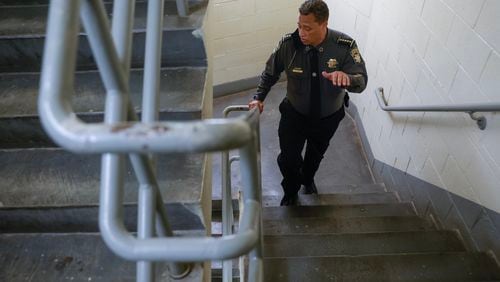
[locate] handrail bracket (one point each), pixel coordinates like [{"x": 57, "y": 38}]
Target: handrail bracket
[{"x": 480, "y": 120}]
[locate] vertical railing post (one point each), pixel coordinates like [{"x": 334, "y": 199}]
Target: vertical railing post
[
  {"x": 251, "y": 178},
  {"x": 150, "y": 102},
  {"x": 182, "y": 8},
  {"x": 114, "y": 78},
  {"x": 227, "y": 212},
  {"x": 227, "y": 208},
  {"x": 251, "y": 188}
]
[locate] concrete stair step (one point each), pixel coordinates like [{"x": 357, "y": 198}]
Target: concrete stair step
[
  {"x": 6, "y": 3},
  {"x": 357, "y": 244},
  {"x": 217, "y": 275},
  {"x": 41, "y": 185},
  {"x": 181, "y": 98},
  {"x": 340, "y": 197},
  {"x": 337, "y": 199},
  {"x": 404, "y": 267},
  {"x": 69, "y": 257},
  {"x": 69, "y": 219},
  {"x": 346, "y": 225},
  {"x": 324, "y": 187},
  {"x": 22, "y": 36},
  {"x": 17, "y": 3},
  {"x": 388, "y": 209}
]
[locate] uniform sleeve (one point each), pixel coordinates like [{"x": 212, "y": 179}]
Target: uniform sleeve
[
  {"x": 272, "y": 72},
  {"x": 354, "y": 66}
]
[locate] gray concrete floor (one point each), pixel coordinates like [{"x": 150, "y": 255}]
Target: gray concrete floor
[{"x": 344, "y": 162}]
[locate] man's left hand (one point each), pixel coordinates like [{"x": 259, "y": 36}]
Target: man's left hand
[{"x": 338, "y": 78}]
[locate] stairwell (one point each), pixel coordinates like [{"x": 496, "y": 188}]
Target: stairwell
[
  {"x": 49, "y": 197},
  {"x": 355, "y": 229}
]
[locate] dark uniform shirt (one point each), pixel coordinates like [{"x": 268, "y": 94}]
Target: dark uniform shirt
[{"x": 337, "y": 52}]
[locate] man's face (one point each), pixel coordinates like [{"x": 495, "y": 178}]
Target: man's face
[{"x": 311, "y": 32}]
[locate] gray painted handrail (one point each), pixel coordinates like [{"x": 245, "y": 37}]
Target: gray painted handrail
[
  {"x": 116, "y": 137},
  {"x": 469, "y": 108},
  {"x": 227, "y": 200}
]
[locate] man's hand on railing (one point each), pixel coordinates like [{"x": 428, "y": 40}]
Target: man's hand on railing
[{"x": 256, "y": 103}]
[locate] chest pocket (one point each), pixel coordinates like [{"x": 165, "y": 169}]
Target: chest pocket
[{"x": 297, "y": 80}]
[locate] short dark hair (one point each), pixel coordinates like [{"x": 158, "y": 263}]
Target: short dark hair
[{"x": 316, "y": 7}]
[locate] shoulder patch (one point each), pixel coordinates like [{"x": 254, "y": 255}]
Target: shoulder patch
[
  {"x": 356, "y": 56},
  {"x": 345, "y": 41}
]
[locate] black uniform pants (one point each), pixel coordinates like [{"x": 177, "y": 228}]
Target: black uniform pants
[{"x": 294, "y": 131}]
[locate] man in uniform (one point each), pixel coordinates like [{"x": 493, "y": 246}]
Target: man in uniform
[{"x": 320, "y": 64}]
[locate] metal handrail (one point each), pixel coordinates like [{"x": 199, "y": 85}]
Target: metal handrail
[
  {"x": 116, "y": 137},
  {"x": 227, "y": 199},
  {"x": 469, "y": 108}
]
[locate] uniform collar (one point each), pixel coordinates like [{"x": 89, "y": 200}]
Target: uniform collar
[
  {"x": 306, "y": 48},
  {"x": 323, "y": 45}
]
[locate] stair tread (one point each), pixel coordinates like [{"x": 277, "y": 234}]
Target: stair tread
[
  {"x": 324, "y": 185},
  {"x": 54, "y": 177},
  {"x": 337, "y": 198},
  {"x": 181, "y": 90},
  {"x": 77, "y": 257},
  {"x": 6, "y": 3},
  {"x": 387, "y": 209},
  {"x": 32, "y": 20},
  {"x": 346, "y": 225},
  {"x": 405, "y": 267},
  {"x": 316, "y": 245},
  {"x": 22, "y": 36}
]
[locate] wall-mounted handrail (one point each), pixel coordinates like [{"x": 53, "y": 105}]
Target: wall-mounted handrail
[{"x": 469, "y": 108}]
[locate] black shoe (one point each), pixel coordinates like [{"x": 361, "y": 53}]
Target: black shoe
[
  {"x": 310, "y": 188},
  {"x": 289, "y": 200}
]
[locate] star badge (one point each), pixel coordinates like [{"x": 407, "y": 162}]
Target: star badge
[{"x": 332, "y": 63}]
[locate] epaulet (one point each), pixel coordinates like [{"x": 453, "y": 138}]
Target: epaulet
[
  {"x": 345, "y": 41},
  {"x": 286, "y": 37}
]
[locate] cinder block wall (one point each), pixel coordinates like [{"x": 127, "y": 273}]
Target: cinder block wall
[
  {"x": 244, "y": 34},
  {"x": 425, "y": 52}
]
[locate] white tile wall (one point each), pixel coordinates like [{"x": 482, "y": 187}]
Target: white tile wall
[
  {"x": 461, "y": 63},
  {"x": 442, "y": 64},
  {"x": 438, "y": 18},
  {"x": 410, "y": 64},
  {"x": 430, "y": 173},
  {"x": 487, "y": 24},
  {"x": 490, "y": 79},
  {"x": 454, "y": 178},
  {"x": 426, "y": 91},
  {"x": 420, "y": 51},
  {"x": 416, "y": 34},
  {"x": 468, "y": 47},
  {"x": 467, "y": 9},
  {"x": 245, "y": 33},
  {"x": 464, "y": 90}
]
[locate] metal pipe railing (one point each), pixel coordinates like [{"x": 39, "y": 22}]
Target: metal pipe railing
[
  {"x": 227, "y": 198},
  {"x": 255, "y": 268},
  {"x": 116, "y": 137},
  {"x": 469, "y": 108},
  {"x": 94, "y": 18},
  {"x": 182, "y": 8}
]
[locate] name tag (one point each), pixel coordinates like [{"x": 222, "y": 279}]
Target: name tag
[{"x": 297, "y": 70}]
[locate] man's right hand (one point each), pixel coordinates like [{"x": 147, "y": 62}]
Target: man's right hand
[{"x": 256, "y": 103}]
